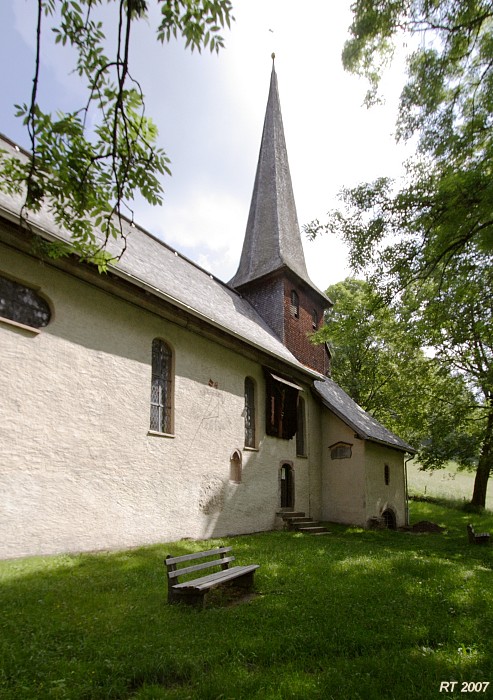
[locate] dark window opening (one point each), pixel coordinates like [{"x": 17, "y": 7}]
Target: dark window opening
[
  {"x": 386, "y": 474},
  {"x": 314, "y": 319},
  {"x": 295, "y": 304},
  {"x": 161, "y": 389},
  {"x": 22, "y": 304},
  {"x": 281, "y": 407},
  {"x": 300, "y": 429}
]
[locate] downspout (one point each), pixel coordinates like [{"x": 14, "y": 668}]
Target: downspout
[{"x": 405, "y": 489}]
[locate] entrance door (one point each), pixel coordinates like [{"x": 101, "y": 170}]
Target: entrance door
[{"x": 287, "y": 486}]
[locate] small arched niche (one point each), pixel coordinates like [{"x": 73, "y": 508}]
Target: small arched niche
[
  {"x": 235, "y": 467},
  {"x": 389, "y": 519}
]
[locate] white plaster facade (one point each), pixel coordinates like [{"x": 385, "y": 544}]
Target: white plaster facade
[{"x": 79, "y": 469}]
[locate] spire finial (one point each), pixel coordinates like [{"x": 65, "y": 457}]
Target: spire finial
[{"x": 273, "y": 56}]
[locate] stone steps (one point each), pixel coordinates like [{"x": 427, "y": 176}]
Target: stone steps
[{"x": 301, "y": 523}]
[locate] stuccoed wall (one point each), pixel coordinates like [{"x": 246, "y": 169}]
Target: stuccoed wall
[
  {"x": 343, "y": 485},
  {"x": 379, "y": 495},
  {"x": 78, "y": 469}
]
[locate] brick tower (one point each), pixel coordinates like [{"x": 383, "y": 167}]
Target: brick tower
[{"x": 272, "y": 272}]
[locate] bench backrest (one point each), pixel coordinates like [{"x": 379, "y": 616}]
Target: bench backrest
[{"x": 172, "y": 562}]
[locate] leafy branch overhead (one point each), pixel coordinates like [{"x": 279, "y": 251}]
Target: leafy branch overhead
[
  {"x": 88, "y": 165},
  {"x": 444, "y": 205}
]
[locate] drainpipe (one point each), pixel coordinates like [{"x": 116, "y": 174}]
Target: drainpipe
[{"x": 405, "y": 487}]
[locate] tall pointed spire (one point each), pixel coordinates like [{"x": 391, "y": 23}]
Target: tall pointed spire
[
  {"x": 272, "y": 272},
  {"x": 272, "y": 239}
]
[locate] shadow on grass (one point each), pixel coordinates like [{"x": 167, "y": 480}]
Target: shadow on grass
[{"x": 353, "y": 614}]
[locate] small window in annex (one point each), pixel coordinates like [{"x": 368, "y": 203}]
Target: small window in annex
[
  {"x": 161, "y": 387},
  {"x": 301, "y": 428},
  {"x": 340, "y": 450},
  {"x": 386, "y": 474},
  {"x": 23, "y": 304},
  {"x": 250, "y": 437},
  {"x": 295, "y": 304}
]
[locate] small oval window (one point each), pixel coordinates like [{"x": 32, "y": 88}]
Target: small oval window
[{"x": 22, "y": 304}]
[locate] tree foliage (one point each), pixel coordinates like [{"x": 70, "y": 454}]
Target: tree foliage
[
  {"x": 430, "y": 237},
  {"x": 378, "y": 360},
  {"x": 87, "y": 165}
]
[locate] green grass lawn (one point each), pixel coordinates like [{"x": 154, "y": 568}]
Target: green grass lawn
[{"x": 352, "y": 614}]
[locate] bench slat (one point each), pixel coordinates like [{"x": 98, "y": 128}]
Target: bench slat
[
  {"x": 199, "y": 567},
  {"x": 197, "y": 555},
  {"x": 220, "y": 577}
]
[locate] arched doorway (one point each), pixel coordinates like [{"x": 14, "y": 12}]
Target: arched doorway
[
  {"x": 389, "y": 519},
  {"x": 287, "y": 485}
]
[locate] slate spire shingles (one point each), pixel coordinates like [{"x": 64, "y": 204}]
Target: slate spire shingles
[{"x": 272, "y": 239}]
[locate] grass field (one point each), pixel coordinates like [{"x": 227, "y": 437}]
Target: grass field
[
  {"x": 352, "y": 614},
  {"x": 449, "y": 483}
]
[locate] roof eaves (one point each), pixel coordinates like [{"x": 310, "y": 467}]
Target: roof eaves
[{"x": 160, "y": 294}]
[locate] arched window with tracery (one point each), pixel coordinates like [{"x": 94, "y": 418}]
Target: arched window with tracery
[
  {"x": 161, "y": 387},
  {"x": 23, "y": 304},
  {"x": 249, "y": 412}
]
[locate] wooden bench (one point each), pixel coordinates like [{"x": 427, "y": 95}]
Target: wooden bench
[
  {"x": 193, "y": 591},
  {"x": 481, "y": 538}
]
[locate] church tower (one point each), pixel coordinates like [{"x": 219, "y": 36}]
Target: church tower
[{"x": 272, "y": 272}]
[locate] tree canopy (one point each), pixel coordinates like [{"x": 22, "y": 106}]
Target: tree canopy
[
  {"x": 446, "y": 104},
  {"x": 87, "y": 165},
  {"x": 378, "y": 360},
  {"x": 429, "y": 238}
]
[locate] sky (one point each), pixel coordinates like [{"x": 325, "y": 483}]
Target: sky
[{"x": 209, "y": 110}]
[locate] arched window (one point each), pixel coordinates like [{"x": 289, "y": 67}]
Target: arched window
[
  {"x": 235, "y": 467},
  {"x": 295, "y": 304},
  {"x": 386, "y": 474},
  {"x": 23, "y": 304},
  {"x": 300, "y": 428},
  {"x": 249, "y": 413},
  {"x": 161, "y": 387}
]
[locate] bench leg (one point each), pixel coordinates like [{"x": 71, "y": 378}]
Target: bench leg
[
  {"x": 195, "y": 598},
  {"x": 244, "y": 581}
]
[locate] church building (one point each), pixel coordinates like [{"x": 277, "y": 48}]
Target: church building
[{"x": 157, "y": 402}]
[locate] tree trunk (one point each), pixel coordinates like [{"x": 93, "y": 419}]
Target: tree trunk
[{"x": 484, "y": 465}]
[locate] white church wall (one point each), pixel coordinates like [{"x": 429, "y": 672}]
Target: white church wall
[
  {"x": 380, "y": 495},
  {"x": 343, "y": 481},
  {"x": 78, "y": 467}
]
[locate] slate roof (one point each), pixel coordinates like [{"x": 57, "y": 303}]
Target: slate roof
[
  {"x": 272, "y": 239},
  {"x": 353, "y": 415},
  {"x": 150, "y": 263}
]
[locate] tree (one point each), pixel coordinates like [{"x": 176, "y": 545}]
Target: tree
[
  {"x": 87, "y": 165},
  {"x": 381, "y": 365},
  {"x": 454, "y": 313},
  {"x": 431, "y": 237}
]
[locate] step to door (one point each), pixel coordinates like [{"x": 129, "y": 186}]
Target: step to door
[
  {"x": 299, "y": 522},
  {"x": 313, "y": 530}
]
